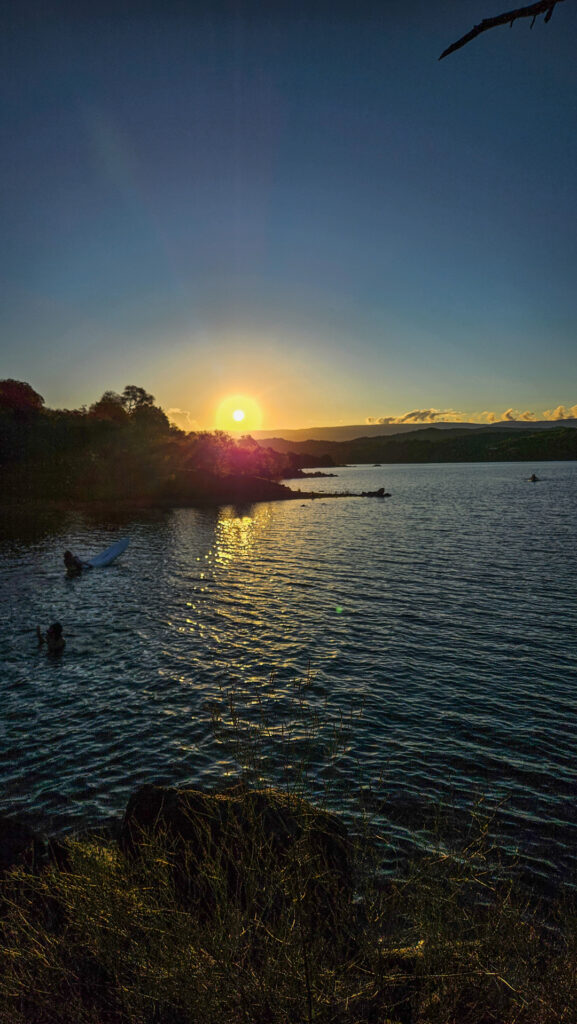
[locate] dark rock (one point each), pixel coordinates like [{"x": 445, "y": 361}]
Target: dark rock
[
  {"x": 380, "y": 493},
  {"x": 22, "y": 846},
  {"x": 19, "y": 845},
  {"x": 260, "y": 841}
]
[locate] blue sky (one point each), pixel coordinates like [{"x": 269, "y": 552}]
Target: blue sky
[{"x": 295, "y": 205}]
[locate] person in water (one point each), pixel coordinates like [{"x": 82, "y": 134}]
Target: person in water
[
  {"x": 73, "y": 564},
  {"x": 54, "y": 640}
]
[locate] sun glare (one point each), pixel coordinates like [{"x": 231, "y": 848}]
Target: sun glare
[{"x": 239, "y": 412}]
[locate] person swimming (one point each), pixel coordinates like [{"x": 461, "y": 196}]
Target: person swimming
[
  {"x": 73, "y": 564},
  {"x": 54, "y": 640}
]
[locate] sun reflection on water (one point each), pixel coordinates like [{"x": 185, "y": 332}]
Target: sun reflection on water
[{"x": 237, "y": 532}]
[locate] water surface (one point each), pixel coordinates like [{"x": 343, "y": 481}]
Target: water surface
[{"x": 443, "y": 619}]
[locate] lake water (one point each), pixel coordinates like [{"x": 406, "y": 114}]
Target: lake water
[{"x": 435, "y": 630}]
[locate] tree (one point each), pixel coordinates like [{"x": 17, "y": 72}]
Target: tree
[
  {"x": 109, "y": 407},
  {"x": 532, "y": 11},
  {"x": 150, "y": 419},
  {"x": 19, "y": 397},
  {"x": 134, "y": 398},
  {"x": 209, "y": 452}
]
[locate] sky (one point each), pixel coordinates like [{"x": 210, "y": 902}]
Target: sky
[{"x": 290, "y": 209}]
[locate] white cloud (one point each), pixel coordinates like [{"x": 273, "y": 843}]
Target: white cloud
[
  {"x": 561, "y": 413},
  {"x": 182, "y": 418},
  {"x": 510, "y": 415},
  {"x": 420, "y": 416}
]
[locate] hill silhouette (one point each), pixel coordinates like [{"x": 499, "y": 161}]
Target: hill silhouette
[
  {"x": 351, "y": 432},
  {"x": 458, "y": 443}
]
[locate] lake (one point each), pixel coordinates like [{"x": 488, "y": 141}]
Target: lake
[{"x": 433, "y": 632}]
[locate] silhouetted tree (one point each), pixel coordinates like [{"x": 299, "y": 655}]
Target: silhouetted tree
[
  {"x": 110, "y": 453},
  {"x": 209, "y": 452},
  {"x": 532, "y": 11},
  {"x": 109, "y": 407},
  {"x": 150, "y": 419},
  {"x": 17, "y": 396},
  {"x": 135, "y": 398}
]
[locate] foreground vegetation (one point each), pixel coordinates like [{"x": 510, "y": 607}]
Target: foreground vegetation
[
  {"x": 235, "y": 934},
  {"x": 109, "y": 942}
]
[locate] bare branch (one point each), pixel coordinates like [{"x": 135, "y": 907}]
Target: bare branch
[{"x": 545, "y": 7}]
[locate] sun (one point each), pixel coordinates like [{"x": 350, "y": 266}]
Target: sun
[{"x": 238, "y": 412}]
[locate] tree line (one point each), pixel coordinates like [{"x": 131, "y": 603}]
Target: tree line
[
  {"x": 492, "y": 443},
  {"x": 120, "y": 447}
]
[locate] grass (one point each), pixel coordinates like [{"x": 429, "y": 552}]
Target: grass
[{"x": 450, "y": 941}]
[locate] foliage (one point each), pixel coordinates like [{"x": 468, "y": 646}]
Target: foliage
[
  {"x": 136, "y": 398},
  {"x": 106, "y": 940},
  {"x": 109, "y": 407},
  {"x": 150, "y": 419},
  {"x": 18, "y": 397},
  {"x": 122, "y": 447}
]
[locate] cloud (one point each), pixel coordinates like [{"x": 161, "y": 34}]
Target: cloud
[
  {"x": 182, "y": 418},
  {"x": 487, "y": 416},
  {"x": 561, "y": 413},
  {"x": 509, "y": 416},
  {"x": 431, "y": 416},
  {"x": 420, "y": 416}
]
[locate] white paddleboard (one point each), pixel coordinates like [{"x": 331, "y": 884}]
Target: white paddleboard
[{"x": 109, "y": 555}]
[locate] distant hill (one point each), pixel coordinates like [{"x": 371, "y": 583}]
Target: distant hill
[
  {"x": 449, "y": 443},
  {"x": 352, "y": 431}
]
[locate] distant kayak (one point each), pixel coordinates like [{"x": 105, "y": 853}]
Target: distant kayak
[{"x": 108, "y": 556}]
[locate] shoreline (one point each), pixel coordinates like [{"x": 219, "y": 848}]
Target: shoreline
[{"x": 150, "y": 505}]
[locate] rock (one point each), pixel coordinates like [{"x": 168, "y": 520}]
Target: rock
[
  {"x": 19, "y": 845},
  {"x": 262, "y": 845},
  {"x": 22, "y": 846},
  {"x": 380, "y": 493}
]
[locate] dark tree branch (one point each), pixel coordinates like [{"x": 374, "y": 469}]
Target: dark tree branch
[{"x": 545, "y": 7}]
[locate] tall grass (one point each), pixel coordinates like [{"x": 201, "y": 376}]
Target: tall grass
[{"x": 110, "y": 941}]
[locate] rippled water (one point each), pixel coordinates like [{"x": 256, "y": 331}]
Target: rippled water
[{"x": 442, "y": 619}]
